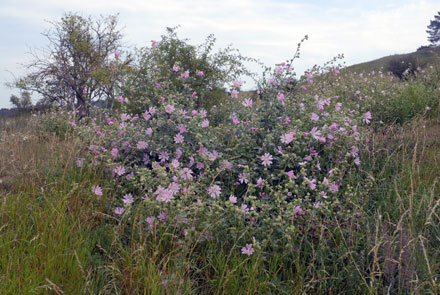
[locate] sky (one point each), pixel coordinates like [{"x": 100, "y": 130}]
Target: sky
[{"x": 265, "y": 29}]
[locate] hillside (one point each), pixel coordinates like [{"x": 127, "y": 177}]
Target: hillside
[{"x": 423, "y": 56}]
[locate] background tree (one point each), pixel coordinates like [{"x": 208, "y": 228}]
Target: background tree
[
  {"x": 434, "y": 30},
  {"x": 23, "y": 102},
  {"x": 81, "y": 65}
]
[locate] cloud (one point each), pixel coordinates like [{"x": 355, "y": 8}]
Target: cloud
[{"x": 269, "y": 30}]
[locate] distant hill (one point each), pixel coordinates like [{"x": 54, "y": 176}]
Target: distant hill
[{"x": 423, "y": 56}]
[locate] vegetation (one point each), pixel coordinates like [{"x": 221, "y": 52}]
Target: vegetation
[
  {"x": 321, "y": 184},
  {"x": 434, "y": 30}
]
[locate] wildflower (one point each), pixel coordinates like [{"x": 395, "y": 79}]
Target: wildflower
[
  {"x": 79, "y": 162},
  {"x": 163, "y": 194},
  {"x": 214, "y": 191},
  {"x": 242, "y": 178},
  {"x": 266, "y": 159},
  {"x": 149, "y": 131},
  {"x": 314, "y": 117},
  {"x": 162, "y": 216},
  {"x": 234, "y": 93},
  {"x": 334, "y": 188},
  {"x": 205, "y": 123},
  {"x": 184, "y": 75},
  {"x": 233, "y": 199},
  {"x": 260, "y": 182},
  {"x": 297, "y": 210},
  {"x": 290, "y": 174},
  {"x": 150, "y": 220},
  {"x": 169, "y": 108},
  {"x": 128, "y": 199},
  {"x": 117, "y": 53},
  {"x": 96, "y": 189},
  {"x": 237, "y": 84},
  {"x": 201, "y": 73},
  {"x": 119, "y": 170},
  {"x": 141, "y": 145},
  {"x": 175, "y": 163},
  {"x": 248, "y": 250},
  {"x": 119, "y": 210},
  {"x": 175, "y": 68},
  {"x": 315, "y": 133},
  {"x": 154, "y": 44},
  {"x": 174, "y": 187},
  {"x": 367, "y": 117},
  {"x": 164, "y": 156},
  {"x": 186, "y": 173},
  {"x": 178, "y": 138},
  {"x": 248, "y": 102},
  {"x": 120, "y": 99}
]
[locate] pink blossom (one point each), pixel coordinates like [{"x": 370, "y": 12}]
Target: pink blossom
[
  {"x": 96, "y": 189},
  {"x": 141, "y": 145},
  {"x": 178, "y": 138},
  {"x": 214, "y": 191},
  {"x": 205, "y": 123},
  {"x": 248, "y": 250},
  {"x": 119, "y": 210},
  {"x": 169, "y": 108},
  {"x": 128, "y": 199},
  {"x": 367, "y": 117},
  {"x": 233, "y": 199},
  {"x": 175, "y": 68},
  {"x": 266, "y": 159},
  {"x": 248, "y": 102},
  {"x": 186, "y": 174},
  {"x": 237, "y": 84},
  {"x": 234, "y": 93}
]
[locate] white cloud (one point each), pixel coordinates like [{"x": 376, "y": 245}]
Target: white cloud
[{"x": 269, "y": 30}]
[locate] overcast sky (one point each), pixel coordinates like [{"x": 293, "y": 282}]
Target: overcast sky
[{"x": 264, "y": 29}]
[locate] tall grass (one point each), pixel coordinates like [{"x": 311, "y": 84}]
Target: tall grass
[{"x": 56, "y": 237}]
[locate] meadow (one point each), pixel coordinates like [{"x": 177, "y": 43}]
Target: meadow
[{"x": 328, "y": 186}]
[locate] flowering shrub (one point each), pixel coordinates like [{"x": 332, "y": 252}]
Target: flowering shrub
[{"x": 277, "y": 162}]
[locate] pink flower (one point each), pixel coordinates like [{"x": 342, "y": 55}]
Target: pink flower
[
  {"x": 314, "y": 117},
  {"x": 248, "y": 250},
  {"x": 200, "y": 73},
  {"x": 234, "y": 93},
  {"x": 266, "y": 159},
  {"x": 233, "y": 199},
  {"x": 154, "y": 44},
  {"x": 175, "y": 68},
  {"x": 237, "y": 84},
  {"x": 119, "y": 210},
  {"x": 214, "y": 191},
  {"x": 367, "y": 117},
  {"x": 96, "y": 189},
  {"x": 184, "y": 75},
  {"x": 186, "y": 174},
  {"x": 290, "y": 174},
  {"x": 163, "y": 194},
  {"x": 248, "y": 102},
  {"x": 205, "y": 123},
  {"x": 297, "y": 210},
  {"x": 119, "y": 170},
  {"x": 178, "y": 138},
  {"x": 120, "y": 99},
  {"x": 117, "y": 53},
  {"x": 141, "y": 145},
  {"x": 128, "y": 199},
  {"x": 169, "y": 108},
  {"x": 162, "y": 216}
]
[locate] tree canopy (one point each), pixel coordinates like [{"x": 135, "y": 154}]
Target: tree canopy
[
  {"x": 81, "y": 64},
  {"x": 434, "y": 30}
]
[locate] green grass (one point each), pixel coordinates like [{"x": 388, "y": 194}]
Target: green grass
[
  {"x": 423, "y": 57},
  {"x": 56, "y": 237}
]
